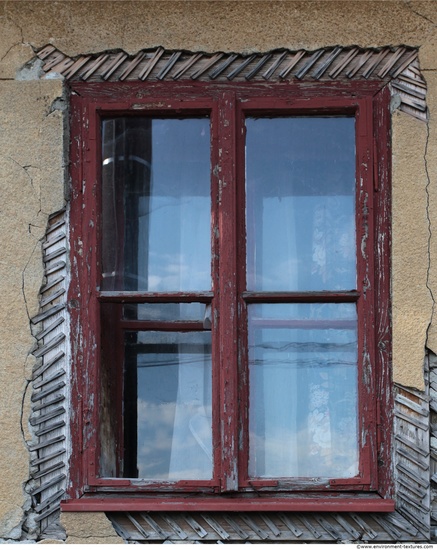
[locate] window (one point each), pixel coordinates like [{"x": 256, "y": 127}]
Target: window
[{"x": 224, "y": 242}]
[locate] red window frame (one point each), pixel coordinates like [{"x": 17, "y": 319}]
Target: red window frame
[{"x": 227, "y": 104}]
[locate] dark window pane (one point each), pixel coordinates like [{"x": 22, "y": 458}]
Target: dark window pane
[
  {"x": 300, "y": 184},
  {"x": 156, "y": 204}
]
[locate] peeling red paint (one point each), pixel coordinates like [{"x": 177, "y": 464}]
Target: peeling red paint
[{"x": 228, "y": 297}]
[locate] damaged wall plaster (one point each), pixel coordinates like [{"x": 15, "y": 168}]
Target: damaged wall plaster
[
  {"x": 90, "y": 528},
  {"x": 32, "y": 171},
  {"x": 412, "y": 303}
]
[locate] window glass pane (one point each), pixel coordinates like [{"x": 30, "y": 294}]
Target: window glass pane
[
  {"x": 166, "y": 312},
  {"x": 156, "y": 204},
  {"x": 303, "y": 390},
  {"x": 300, "y": 185},
  {"x": 167, "y": 417}
]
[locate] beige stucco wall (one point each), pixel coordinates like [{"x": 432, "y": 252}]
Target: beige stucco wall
[
  {"x": 31, "y": 186},
  {"x": 32, "y": 176}
]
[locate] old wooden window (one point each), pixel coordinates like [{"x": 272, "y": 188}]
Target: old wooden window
[{"x": 225, "y": 240}]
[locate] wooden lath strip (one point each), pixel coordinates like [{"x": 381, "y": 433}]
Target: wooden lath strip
[
  {"x": 197, "y": 74},
  {"x": 49, "y": 403},
  {"x": 309, "y": 64},
  {"x": 38, "y": 420},
  {"x": 197, "y": 528},
  {"x": 215, "y": 525},
  {"x": 404, "y": 64},
  {"x": 222, "y": 67},
  {"x": 327, "y": 63},
  {"x": 374, "y": 62},
  {"x": 144, "y": 74},
  {"x": 45, "y": 471},
  {"x": 50, "y": 328},
  {"x": 421, "y": 410},
  {"x": 46, "y": 51},
  {"x": 47, "y": 443},
  {"x": 55, "y": 60},
  {"x": 132, "y": 65},
  {"x": 347, "y": 527},
  {"x": 411, "y": 91},
  {"x": 390, "y": 63},
  {"x": 388, "y": 528},
  {"x": 39, "y": 352},
  {"x": 185, "y": 66},
  {"x": 50, "y": 428},
  {"x": 51, "y": 284},
  {"x": 54, "y": 376},
  {"x": 254, "y": 525},
  {"x": 48, "y": 416},
  {"x": 368, "y": 531},
  {"x": 274, "y": 66},
  {"x": 94, "y": 65},
  {"x": 295, "y": 60},
  {"x": 241, "y": 67},
  {"x": 356, "y": 65},
  {"x": 53, "y": 268},
  {"x": 343, "y": 63},
  {"x": 169, "y": 65},
  {"x": 47, "y": 364},
  {"x": 77, "y": 65},
  {"x": 258, "y": 66},
  {"x": 47, "y": 457},
  {"x": 113, "y": 65},
  {"x": 52, "y": 297}
]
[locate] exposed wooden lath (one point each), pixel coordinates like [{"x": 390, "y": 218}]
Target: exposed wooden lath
[
  {"x": 412, "y": 457},
  {"x": 49, "y": 383},
  {"x": 258, "y": 527},
  {"x": 432, "y": 362},
  {"x": 398, "y": 65}
]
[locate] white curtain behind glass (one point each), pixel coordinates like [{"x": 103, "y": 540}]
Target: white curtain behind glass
[{"x": 175, "y": 233}]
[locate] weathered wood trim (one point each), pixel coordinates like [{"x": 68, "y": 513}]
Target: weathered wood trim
[{"x": 398, "y": 65}]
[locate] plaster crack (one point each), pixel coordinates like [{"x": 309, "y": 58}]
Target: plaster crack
[
  {"x": 410, "y": 7},
  {"x": 26, "y": 168},
  {"x": 19, "y": 43},
  {"x": 428, "y": 217}
]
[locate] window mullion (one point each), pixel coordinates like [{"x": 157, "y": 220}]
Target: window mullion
[{"x": 227, "y": 292}]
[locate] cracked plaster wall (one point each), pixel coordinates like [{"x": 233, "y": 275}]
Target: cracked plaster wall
[{"x": 32, "y": 177}]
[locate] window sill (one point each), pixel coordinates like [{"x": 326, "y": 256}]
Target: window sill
[{"x": 322, "y": 503}]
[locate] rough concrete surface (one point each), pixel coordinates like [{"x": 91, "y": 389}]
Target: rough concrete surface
[{"x": 32, "y": 166}]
